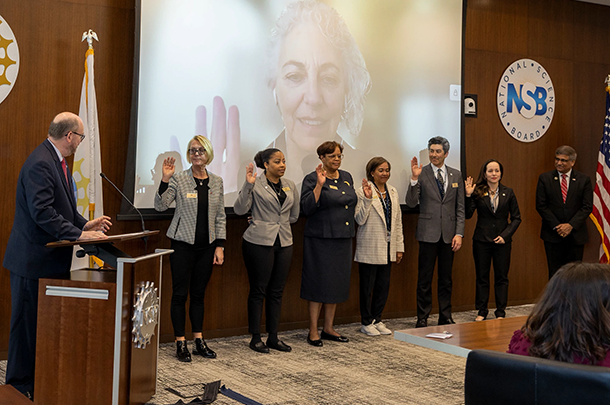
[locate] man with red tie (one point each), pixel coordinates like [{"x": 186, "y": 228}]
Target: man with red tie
[
  {"x": 45, "y": 211},
  {"x": 564, "y": 200}
]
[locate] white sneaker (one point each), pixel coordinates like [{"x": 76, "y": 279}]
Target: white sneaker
[
  {"x": 382, "y": 329},
  {"x": 369, "y": 330}
]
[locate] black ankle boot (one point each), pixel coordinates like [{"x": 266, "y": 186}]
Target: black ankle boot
[
  {"x": 182, "y": 351},
  {"x": 202, "y": 349}
]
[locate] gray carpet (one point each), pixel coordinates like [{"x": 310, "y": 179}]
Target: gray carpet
[{"x": 368, "y": 370}]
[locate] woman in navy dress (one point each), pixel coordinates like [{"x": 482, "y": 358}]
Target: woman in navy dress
[{"x": 328, "y": 199}]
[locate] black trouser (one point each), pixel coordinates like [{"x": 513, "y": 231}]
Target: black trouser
[
  {"x": 191, "y": 271},
  {"x": 22, "y": 339},
  {"x": 428, "y": 253},
  {"x": 484, "y": 253},
  {"x": 374, "y": 290},
  {"x": 268, "y": 268},
  {"x": 563, "y": 252}
]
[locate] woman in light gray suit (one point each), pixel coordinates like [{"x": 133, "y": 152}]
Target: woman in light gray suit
[
  {"x": 379, "y": 243},
  {"x": 197, "y": 232},
  {"x": 267, "y": 243}
]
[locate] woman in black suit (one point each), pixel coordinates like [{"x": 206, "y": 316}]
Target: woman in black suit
[{"x": 494, "y": 203}]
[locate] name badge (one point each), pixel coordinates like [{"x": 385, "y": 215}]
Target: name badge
[
  {"x": 286, "y": 188},
  {"x": 454, "y": 185},
  {"x": 191, "y": 195},
  {"x": 333, "y": 187}
]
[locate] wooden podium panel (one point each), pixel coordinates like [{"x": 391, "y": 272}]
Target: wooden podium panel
[
  {"x": 74, "y": 348},
  {"x": 85, "y": 346}
]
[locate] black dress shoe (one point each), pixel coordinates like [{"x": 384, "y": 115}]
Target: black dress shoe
[
  {"x": 421, "y": 323},
  {"x": 279, "y": 345},
  {"x": 448, "y": 321},
  {"x": 182, "y": 351},
  {"x": 259, "y": 347},
  {"x": 317, "y": 342},
  {"x": 202, "y": 349},
  {"x": 328, "y": 336}
]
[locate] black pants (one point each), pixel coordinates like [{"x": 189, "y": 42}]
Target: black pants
[
  {"x": 428, "y": 253},
  {"x": 22, "y": 339},
  {"x": 268, "y": 268},
  {"x": 374, "y": 290},
  {"x": 191, "y": 271},
  {"x": 564, "y": 252},
  {"x": 484, "y": 253}
]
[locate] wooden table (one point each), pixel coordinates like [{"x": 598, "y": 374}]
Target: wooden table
[{"x": 494, "y": 334}]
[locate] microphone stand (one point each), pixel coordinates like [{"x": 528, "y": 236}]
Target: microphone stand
[{"x": 144, "y": 238}]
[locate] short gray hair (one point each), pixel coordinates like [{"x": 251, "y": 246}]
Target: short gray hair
[
  {"x": 566, "y": 150},
  {"x": 335, "y": 30},
  {"x": 439, "y": 140}
]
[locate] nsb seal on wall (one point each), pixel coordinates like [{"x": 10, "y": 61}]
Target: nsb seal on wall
[
  {"x": 526, "y": 100},
  {"x": 9, "y": 59}
]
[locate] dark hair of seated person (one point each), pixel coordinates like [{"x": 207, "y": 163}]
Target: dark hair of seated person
[{"x": 572, "y": 317}]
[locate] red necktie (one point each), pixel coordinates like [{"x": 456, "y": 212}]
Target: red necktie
[
  {"x": 564, "y": 186},
  {"x": 65, "y": 167}
]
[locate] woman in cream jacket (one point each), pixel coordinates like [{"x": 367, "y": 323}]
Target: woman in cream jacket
[{"x": 379, "y": 243}]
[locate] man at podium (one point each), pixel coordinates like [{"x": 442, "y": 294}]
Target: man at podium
[{"x": 45, "y": 212}]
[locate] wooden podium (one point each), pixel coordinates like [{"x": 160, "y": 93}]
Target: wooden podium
[{"x": 98, "y": 334}]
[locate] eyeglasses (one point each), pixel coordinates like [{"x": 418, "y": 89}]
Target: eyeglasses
[
  {"x": 333, "y": 157},
  {"x": 562, "y": 160},
  {"x": 197, "y": 151},
  {"x": 82, "y": 136}
]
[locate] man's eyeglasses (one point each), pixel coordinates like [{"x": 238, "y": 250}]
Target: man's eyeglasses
[
  {"x": 82, "y": 136},
  {"x": 333, "y": 157},
  {"x": 197, "y": 151}
]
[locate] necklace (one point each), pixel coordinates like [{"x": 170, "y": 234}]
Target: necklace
[{"x": 277, "y": 188}]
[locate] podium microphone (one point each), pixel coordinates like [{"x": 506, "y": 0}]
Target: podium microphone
[{"x": 103, "y": 176}]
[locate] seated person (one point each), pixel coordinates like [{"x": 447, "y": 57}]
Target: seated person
[{"x": 571, "y": 322}]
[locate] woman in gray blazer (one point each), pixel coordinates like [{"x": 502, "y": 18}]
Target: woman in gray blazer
[
  {"x": 267, "y": 243},
  {"x": 197, "y": 233},
  {"x": 379, "y": 243}
]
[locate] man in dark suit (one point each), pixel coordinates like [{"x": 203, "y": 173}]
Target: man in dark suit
[
  {"x": 564, "y": 200},
  {"x": 439, "y": 191},
  {"x": 45, "y": 212}
]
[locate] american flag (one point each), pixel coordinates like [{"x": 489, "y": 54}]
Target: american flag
[{"x": 601, "y": 197}]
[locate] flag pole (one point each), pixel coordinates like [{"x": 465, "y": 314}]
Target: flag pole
[{"x": 601, "y": 194}]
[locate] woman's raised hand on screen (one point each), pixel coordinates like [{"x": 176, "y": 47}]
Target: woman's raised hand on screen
[
  {"x": 225, "y": 136},
  {"x": 169, "y": 168}
]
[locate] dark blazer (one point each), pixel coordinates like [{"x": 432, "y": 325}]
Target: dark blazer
[
  {"x": 491, "y": 224},
  {"x": 575, "y": 211},
  {"x": 45, "y": 211},
  {"x": 438, "y": 218},
  {"x": 333, "y": 215}
]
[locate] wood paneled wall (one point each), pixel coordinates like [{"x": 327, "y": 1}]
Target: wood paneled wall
[{"x": 568, "y": 38}]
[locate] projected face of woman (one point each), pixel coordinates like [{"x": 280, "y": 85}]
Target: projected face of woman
[{"x": 310, "y": 86}]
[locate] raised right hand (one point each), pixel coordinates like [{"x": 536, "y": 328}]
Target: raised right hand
[
  {"x": 251, "y": 173},
  {"x": 469, "y": 186},
  {"x": 168, "y": 169},
  {"x": 415, "y": 169},
  {"x": 321, "y": 175}
]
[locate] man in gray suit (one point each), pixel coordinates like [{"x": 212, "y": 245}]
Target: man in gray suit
[{"x": 439, "y": 192}]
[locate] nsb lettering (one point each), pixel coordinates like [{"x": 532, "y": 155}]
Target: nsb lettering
[{"x": 530, "y": 100}]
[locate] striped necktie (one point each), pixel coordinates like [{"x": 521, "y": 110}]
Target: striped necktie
[
  {"x": 564, "y": 186},
  {"x": 440, "y": 181}
]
